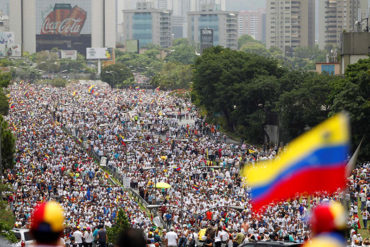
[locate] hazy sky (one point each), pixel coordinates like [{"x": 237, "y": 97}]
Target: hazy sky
[{"x": 245, "y": 4}]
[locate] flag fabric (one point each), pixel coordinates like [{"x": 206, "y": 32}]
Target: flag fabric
[
  {"x": 91, "y": 89},
  {"x": 12, "y": 105},
  {"x": 157, "y": 89},
  {"x": 26, "y": 93},
  {"x": 122, "y": 140},
  {"x": 74, "y": 93},
  {"x": 106, "y": 175},
  {"x": 196, "y": 187},
  {"x": 137, "y": 88},
  {"x": 315, "y": 161},
  {"x": 178, "y": 169}
]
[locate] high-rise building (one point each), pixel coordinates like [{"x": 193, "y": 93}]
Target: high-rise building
[
  {"x": 337, "y": 16},
  {"x": 290, "y": 24},
  {"x": 223, "y": 23},
  {"x": 198, "y": 5},
  {"x": 253, "y": 23},
  {"x": 147, "y": 24}
]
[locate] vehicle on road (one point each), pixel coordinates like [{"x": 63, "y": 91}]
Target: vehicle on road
[{"x": 24, "y": 236}]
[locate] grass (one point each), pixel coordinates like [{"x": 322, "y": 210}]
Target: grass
[{"x": 365, "y": 233}]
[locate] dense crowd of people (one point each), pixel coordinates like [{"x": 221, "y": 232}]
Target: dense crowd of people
[{"x": 148, "y": 136}]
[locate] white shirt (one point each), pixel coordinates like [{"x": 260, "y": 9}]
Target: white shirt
[
  {"x": 171, "y": 238},
  {"x": 78, "y": 237}
]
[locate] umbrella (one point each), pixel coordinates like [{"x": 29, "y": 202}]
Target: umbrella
[{"x": 162, "y": 185}]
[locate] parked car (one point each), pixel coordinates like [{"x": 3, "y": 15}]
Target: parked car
[{"x": 24, "y": 236}]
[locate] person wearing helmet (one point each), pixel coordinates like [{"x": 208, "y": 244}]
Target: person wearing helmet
[
  {"x": 328, "y": 225},
  {"x": 47, "y": 224}
]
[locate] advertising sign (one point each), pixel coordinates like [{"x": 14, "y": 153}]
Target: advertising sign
[
  {"x": 8, "y": 48},
  {"x": 68, "y": 54},
  {"x": 63, "y": 24},
  {"x": 99, "y": 53},
  {"x": 132, "y": 46}
]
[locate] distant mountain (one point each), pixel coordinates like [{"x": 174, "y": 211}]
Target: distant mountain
[{"x": 238, "y": 5}]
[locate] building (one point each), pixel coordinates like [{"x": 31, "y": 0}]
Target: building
[
  {"x": 290, "y": 24},
  {"x": 223, "y": 23},
  {"x": 198, "y": 5},
  {"x": 337, "y": 16},
  {"x": 65, "y": 24},
  {"x": 148, "y": 25},
  {"x": 253, "y": 23},
  {"x": 329, "y": 68},
  {"x": 354, "y": 46}
]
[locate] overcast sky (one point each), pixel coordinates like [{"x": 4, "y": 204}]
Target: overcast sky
[{"x": 245, "y": 4}]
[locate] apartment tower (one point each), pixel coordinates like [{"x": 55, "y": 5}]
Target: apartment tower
[
  {"x": 290, "y": 24},
  {"x": 338, "y": 16}
]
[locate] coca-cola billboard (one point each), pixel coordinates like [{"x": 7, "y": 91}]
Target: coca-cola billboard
[{"x": 63, "y": 24}]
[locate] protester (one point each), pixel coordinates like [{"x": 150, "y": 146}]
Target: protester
[
  {"x": 47, "y": 224},
  {"x": 61, "y": 134}
]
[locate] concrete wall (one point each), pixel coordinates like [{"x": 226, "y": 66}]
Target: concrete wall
[
  {"x": 29, "y": 25},
  {"x": 110, "y": 23},
  {"x": 97, "y": 26},
  {"x": 15, "y": 23}
]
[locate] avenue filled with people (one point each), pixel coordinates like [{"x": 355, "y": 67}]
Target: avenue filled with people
[{"x": 73, "y": 142}]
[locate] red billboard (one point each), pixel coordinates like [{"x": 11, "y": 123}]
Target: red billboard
[{"x": 63, "y": 24}]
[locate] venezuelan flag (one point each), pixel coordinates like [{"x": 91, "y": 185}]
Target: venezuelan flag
[
  {"x": 12, "y": 105},
  {"x": 196, "y": 187},
  {"x": 315, "y": 161},
  {"x": 122, "y": 140},
  {"x": 91, "y": 89}
]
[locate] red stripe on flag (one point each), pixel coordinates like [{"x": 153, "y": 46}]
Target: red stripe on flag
[{"x": 309, "y": 181}]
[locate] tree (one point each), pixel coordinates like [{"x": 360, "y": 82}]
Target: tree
[
  {"x": 303, "y": 105},
  {"x": 7, "y": 146},
  {"x": 245, "y": 39},
  {"x": 4, "y": 103},
  {"x": 115, "y": 74},
  {"x": 121, "y": 224},
  {"x": 352, "y": 94},
  {"x": 173, "y": 76},
  {"x": 5, "y": 79},
  {"x": 239, "y": 86},
  {"x": 47, "y": 61},
  {"x": 181, "y": 52}
]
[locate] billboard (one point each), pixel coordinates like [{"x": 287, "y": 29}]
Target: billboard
[
  {"x": 63, "y": 24},
  {"x": 132, "y": 45},
  {"x": 8, "y": 48},
  {"x": 206, "y": 39},
  {"x": 68, "y": 54},
  {"x": 99, "y": 53}
]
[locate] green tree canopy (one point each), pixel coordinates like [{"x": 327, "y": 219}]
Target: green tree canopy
[
  {"x": 236, "y": 85},
  {"x": 115, "y": 74},
  {"x": 181, "y": 52},
  {"x": 352, "y": 94},
  {"x": 173, "y": 76},
  {"x": 7, "y": 146},
  {"x": 121, "y": 224}
]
